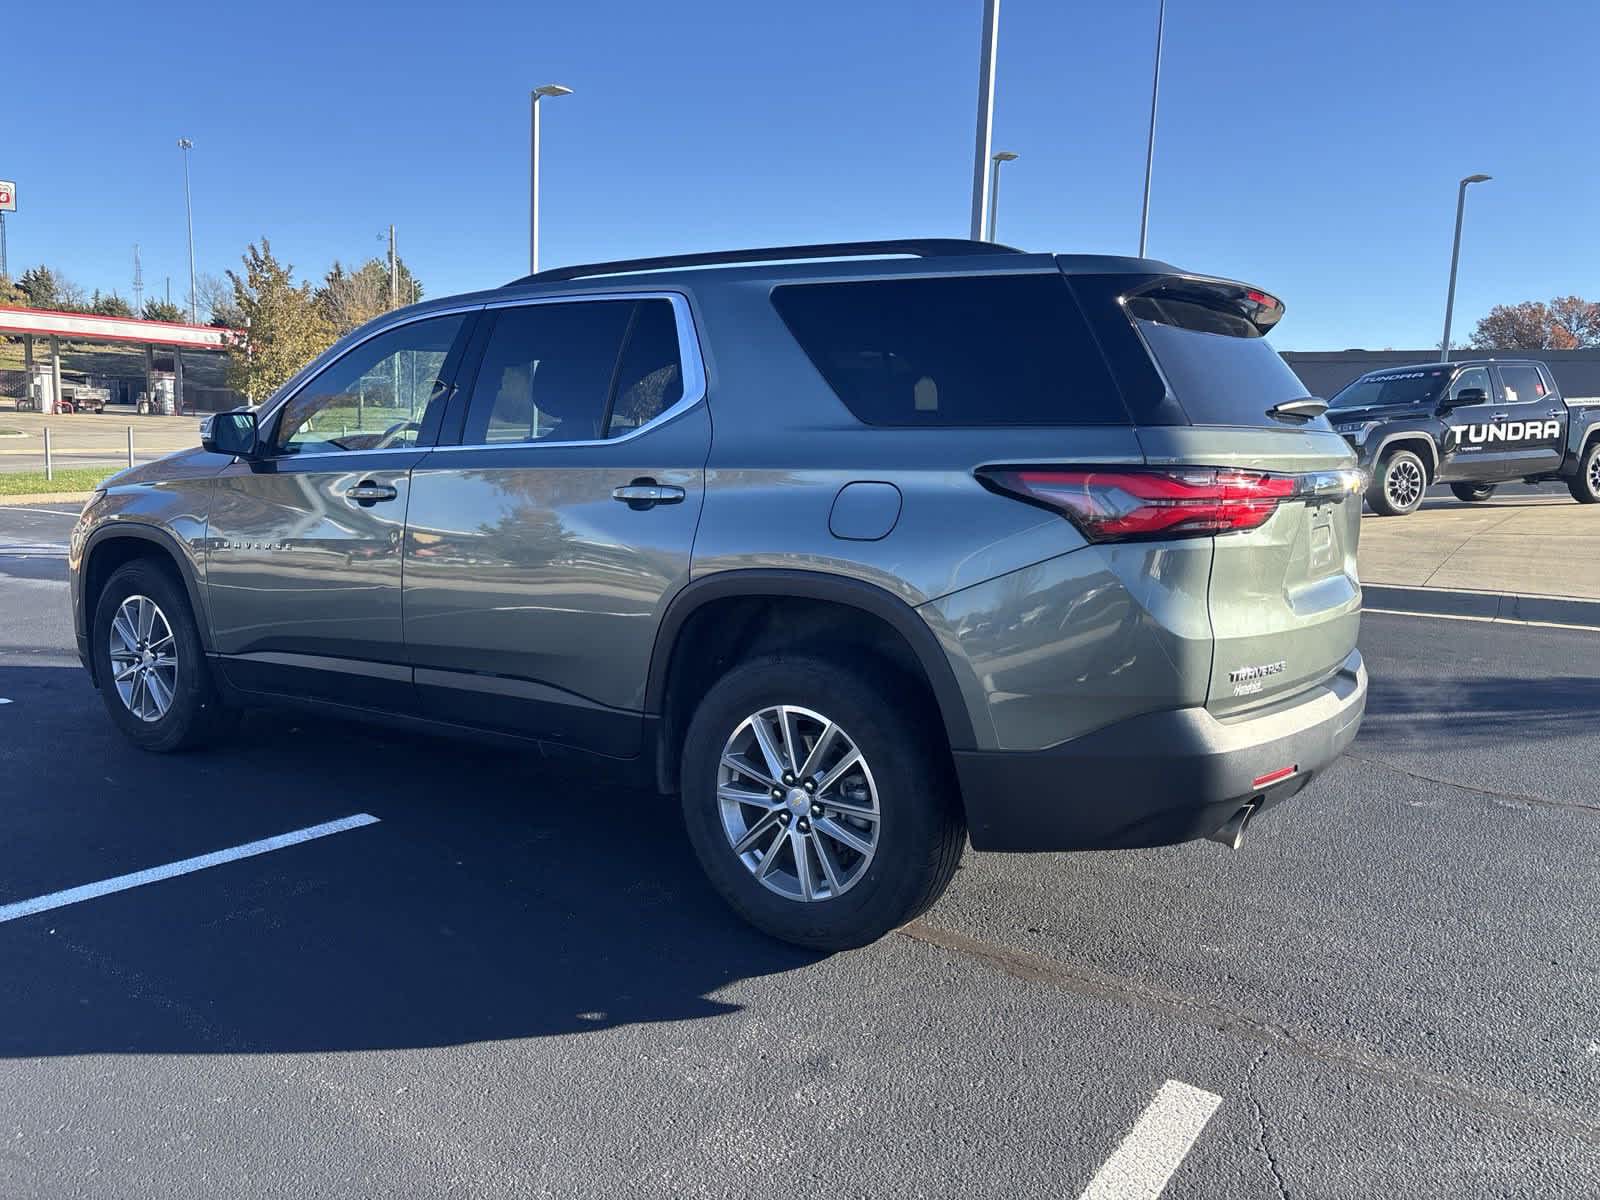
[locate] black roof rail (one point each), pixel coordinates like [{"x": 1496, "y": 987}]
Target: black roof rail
[{"x": 917, "y": 247}]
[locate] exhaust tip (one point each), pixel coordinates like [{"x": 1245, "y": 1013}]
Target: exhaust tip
[{"x": 1231, "y": 832}]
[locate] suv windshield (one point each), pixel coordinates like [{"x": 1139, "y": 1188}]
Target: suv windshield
[{"x": 1417, "y": 387}]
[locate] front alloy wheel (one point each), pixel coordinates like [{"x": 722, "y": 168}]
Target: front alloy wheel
[
  {"x": 798, "y": 803},
  {"x": 144, "y": 657}
]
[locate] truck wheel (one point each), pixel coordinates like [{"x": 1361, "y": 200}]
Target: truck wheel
[
  {"x": 1472, "y": 493},
  {"x": 1585, "y": 485},
  {"x": 1398, "y": 484},
  {"x": 152, "y": 669},
  {"x": 822, "y": 813}
]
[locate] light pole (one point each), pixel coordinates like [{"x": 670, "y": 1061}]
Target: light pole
[
  {"x": 1455, "y": 256},
  {"x": 980, "y": 153},
  {"x": 186, "y": 145},
  {"x": 549, "y": 89},
  {"x": 994, "y": 188},
  {"x": 1150, "y": 146}
]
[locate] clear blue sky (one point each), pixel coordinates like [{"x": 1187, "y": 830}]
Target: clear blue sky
[{"x": 1311, "y": 148}]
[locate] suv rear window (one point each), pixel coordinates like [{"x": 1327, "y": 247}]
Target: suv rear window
[
  {"x": 1207, "y": 338},
  {"x": 954, "y": 351}
]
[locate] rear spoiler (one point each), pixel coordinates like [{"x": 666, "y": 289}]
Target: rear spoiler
[{"x": 1206, "y": 304}]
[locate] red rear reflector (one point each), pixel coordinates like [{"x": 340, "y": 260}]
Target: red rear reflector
[
  {"x": 1119, "y": 504},
  {"x": 1272, "y": 777}
]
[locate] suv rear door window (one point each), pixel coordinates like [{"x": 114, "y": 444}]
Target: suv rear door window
[
  {"x": 966, "y": 350},
  {"x": 546, "y": 373}
]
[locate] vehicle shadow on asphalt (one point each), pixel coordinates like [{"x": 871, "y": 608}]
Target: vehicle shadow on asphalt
[
  {"x": 1496, "y": 708},
  {"x": 498, "y": 897}
]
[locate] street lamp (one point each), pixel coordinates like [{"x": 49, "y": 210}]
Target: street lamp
[
  {"x": 186, "y": 145},
  {"x": 1455, "y": 256},
  {"x": 549, "y": 89},
  {"x": 994, "y": 188},
  {"x": 1150, "y": 146}
]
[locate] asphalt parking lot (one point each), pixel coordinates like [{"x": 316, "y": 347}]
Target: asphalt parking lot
[{"x": 515, "y": 983}]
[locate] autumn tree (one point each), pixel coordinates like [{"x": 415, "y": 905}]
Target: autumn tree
[
  {"x": 350, "y": 299},
  {"x": 1578, "y": 319},
  {"x": 1566, "y": 323},
  {"x": 11, "y": 293},
  {"x": 284, "y": 326}
]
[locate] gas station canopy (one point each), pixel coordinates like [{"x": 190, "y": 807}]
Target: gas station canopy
[{"x": 87, "y": 327}]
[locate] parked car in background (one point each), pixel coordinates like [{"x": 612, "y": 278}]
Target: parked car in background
[
  {"x": 1472, "y": 424},
  {"x": 854, "y": 557}
]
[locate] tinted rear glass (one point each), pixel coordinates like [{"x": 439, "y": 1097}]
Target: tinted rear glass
[
  {"x": 1409, "y": 387},
  {"x": 961, "y": 351},
  {"x": 1220, "y": 379}
]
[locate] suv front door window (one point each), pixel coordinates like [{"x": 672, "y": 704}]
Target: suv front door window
[{"x": 378, "y": 396}]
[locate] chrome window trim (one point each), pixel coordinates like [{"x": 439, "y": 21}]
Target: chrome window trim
[{"x": 689, "y": 358}]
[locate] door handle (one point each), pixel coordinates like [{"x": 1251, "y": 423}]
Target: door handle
[
  {"x": 368, "y": 493},
  {"x": 1498, "y": 416},
  {"x": 647, "y": 493}
]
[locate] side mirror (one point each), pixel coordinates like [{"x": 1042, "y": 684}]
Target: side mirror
[
  {"x": 1466, "y": 396},
  {"x": 231, "y": 433}
]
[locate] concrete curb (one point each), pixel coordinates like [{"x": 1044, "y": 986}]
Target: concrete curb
[
  {"x": 44, "y": 498},
  {"x": 1484, "y": 606}
]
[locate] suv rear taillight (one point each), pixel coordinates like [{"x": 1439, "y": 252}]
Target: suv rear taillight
[{"x": 1119, "y": 504}]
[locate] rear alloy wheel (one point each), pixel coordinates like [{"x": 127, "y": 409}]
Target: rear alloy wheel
[
  {"x": 1472, "y": 493},
  {"x": 1585, "y": 485},
  {"x": 820, "y": 812},
  {"x": 1398, "y": 486},
  {"x": 149, "y": 662}
]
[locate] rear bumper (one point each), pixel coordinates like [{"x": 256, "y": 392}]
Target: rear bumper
[{"x": 1157, "y": 779}]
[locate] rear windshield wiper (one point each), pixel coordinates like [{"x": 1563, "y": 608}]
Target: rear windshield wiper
[{"x": 1302, "y": 409}]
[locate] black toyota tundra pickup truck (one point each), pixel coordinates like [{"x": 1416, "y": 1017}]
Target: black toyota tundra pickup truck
[{"x": 1471, "y": 424}]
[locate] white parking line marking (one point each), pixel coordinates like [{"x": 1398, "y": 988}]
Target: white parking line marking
[
  {"x": 1141, "y": 1167},
  {"x": 92, "y": 891},
  {"x": 45, "y": 512}
]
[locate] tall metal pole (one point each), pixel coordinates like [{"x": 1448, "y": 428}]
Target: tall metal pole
[
  {"x": 1150, "y": 148},
  {"x": 548, "y": 89},
  {"x": 186, "y": 145},
  {"x": 1455, "y": 258},
  {"x": 533, "y": 187},
  {"x": 995, "y": 160},
  {"x": 5, "y": 264},
  {"x": 394, "y": 279},
  {"x": 980, "y": 152}
]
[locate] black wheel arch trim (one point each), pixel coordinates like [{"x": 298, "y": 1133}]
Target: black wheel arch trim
[
  {"x": 138, "y": 530},
  {"x": 815, "y": 585},
  {"x": 1418, "y": 436}
]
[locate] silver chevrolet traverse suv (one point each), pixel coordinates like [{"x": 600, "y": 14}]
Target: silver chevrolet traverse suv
[{"x": 861, "y": 549}]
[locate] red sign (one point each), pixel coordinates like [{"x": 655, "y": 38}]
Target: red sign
[{"x": 8, "y": 196}]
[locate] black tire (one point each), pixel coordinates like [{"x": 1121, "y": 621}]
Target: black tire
[
  {"x": 1398, "y": 484},
  {"x": 1585, "y": 485},
  {"x": 920, "y": 833},
  {"x": 1472, "y": 493},
  {"x": 196, "y": 714}
]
